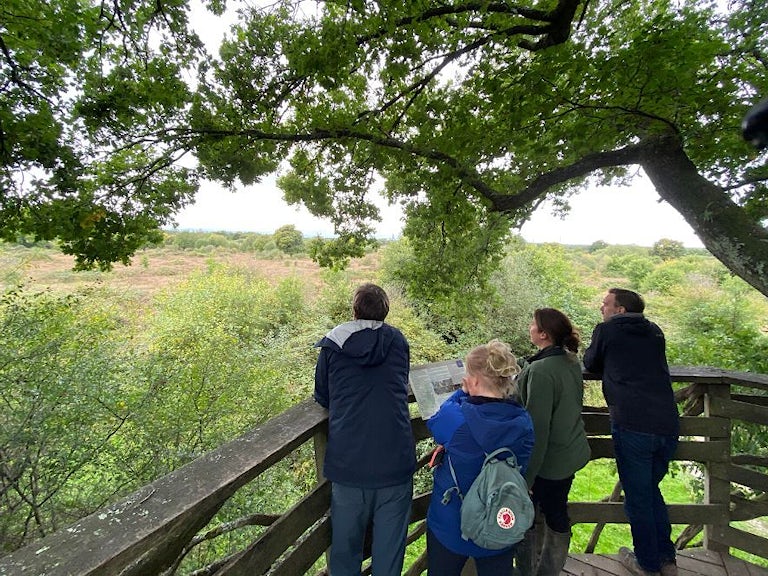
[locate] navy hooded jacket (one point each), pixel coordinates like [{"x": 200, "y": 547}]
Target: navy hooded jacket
[
  {"x": 469, "y": 427},
  {"x": 361, "y": 377},
  {"x": 629, "y": 352}
]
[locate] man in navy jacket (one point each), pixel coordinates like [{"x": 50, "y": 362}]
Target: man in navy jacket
[
  {"x": 629, "y": 353},
  {"x": 361, "y": 377}
]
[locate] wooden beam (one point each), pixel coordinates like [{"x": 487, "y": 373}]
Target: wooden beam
[
  {"x": 599, "y": 424},
  {"x": 687, "y": 450},
  {"x": 740, "y": 410},
  {"x": 717, "y": 488},
  {"x": 613, "y": 513},
  {"x": 749, "y": 478},
  {"x": 260, "y": 555},
  {"x": 748, "y": 508},
  {"x": 746, "y": 379},
  {"x": 751, "y": 399},
  {"x": 303, "y": 555},
  {"x": 728, "y": 536}
]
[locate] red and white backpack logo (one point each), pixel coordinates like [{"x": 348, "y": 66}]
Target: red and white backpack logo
[{"x": 505, "y": 518}]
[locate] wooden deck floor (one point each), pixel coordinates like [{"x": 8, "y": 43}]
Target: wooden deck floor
[{"x": 691, "y": 562}]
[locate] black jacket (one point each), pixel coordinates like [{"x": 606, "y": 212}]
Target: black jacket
[
  {"x": 361, "y": 377},
  {"x": 629, "y": 353}
]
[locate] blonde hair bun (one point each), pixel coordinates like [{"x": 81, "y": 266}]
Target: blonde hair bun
[{"x": 501, "y": 361}]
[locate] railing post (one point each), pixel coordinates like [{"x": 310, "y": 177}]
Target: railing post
[
  {"x": 717, "y": 486},
  {"x": 320, "y": 441}
]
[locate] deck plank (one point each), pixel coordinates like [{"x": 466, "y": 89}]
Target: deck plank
[
  {"x": 735, "y": 567},
  {"x": 576, "y": 566},
  {"x": 690, "y": 562}
]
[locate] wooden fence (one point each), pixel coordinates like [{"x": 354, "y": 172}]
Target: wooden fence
[{"x": 150, "y": 531}]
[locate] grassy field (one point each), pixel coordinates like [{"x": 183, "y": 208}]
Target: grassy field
[{"x": 154, "y": 269}]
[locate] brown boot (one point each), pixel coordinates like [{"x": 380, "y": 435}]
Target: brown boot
[
  {"x": 669, "y": 568},
  {"x": 554, "y": 552},
  {"x": 526, "y": 554},
  {"x": 629, "y": 561}
]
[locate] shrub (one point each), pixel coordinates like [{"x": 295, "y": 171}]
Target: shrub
[
  {"x": 67, "y": 399},
  {"x": 288, "y": 239}
]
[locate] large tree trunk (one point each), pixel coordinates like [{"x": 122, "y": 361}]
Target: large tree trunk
[{"x": 723, "y": 227}]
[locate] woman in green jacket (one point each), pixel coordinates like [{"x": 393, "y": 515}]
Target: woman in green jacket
[{"x": 552, "y": 390}]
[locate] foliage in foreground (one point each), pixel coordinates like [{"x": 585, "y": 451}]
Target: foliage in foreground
[
  {"x": 97, "y": 401},
  {"x": 96, "y": 404},
  {"x": 470, "y": 114}
]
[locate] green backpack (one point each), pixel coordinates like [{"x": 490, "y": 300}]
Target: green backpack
[{"x": 496, "y": 511}]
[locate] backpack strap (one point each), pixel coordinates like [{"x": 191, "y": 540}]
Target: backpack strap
[
  {"x": 488, "y": 457},
  {"x": 455, "y": 488},
  {"x": 501, "y": 450}
]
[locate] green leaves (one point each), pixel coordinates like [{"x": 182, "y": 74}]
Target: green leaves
[
  {"x": 504, "y": 106},
  {"x": 90, "y": 92},
  {"x": 64, "y": 397},
  {"x": 289, "y": 239}
]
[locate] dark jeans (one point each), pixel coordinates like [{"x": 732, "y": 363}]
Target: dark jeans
[
  {"x": 551, "y": 497},
  {"x": 443, "y": 562},
  {"x": 643, "y": 460},
  {"x": 352, "y": 510}
]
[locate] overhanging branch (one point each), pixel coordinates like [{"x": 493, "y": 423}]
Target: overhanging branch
[
  {"x": 544, "y": 182},
  {"x": 555, "y": 27},
  {"x": 500, "y": 201}
]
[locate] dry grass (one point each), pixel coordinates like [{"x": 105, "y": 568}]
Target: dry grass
[{"x": 155, "y": 269}]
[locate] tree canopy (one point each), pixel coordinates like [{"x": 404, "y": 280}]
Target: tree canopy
[{"x": 471, "y": 113}]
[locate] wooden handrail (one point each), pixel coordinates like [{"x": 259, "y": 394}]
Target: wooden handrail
[{"x": 145, "y": 533}]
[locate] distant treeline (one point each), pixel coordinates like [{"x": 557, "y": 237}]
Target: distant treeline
[{"x": 285, "y": 240}]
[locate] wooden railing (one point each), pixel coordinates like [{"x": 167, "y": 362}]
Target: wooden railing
[
  {"x": 148, "y": 532},
  {"x": 735, "y": 485}
]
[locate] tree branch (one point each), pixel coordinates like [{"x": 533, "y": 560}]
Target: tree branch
[
  {"x": 500, "y": 201},
  {"x": 555, "y": 29},
  {"x": 586, "y": 165}
]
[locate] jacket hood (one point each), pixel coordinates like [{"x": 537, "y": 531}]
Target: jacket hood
[
  {"x": 632, "y": 323},
  {"x": 367, "y": 340},
  {"x": 493, "y": 424}
]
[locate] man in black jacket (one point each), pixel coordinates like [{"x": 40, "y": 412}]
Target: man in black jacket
[
  {"x": 629, "y": 353},
  {"x": 361, "y": 377}
]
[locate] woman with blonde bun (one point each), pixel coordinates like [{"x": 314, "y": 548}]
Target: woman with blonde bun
[{"x": 474, "y": 421}]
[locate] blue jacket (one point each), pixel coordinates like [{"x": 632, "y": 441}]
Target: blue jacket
[
  {"x": 629, "y": 353},
  {"x": 469, "y": 427},
  {"x": 361, "y": 377}
]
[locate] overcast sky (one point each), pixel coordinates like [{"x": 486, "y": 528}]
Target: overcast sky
[
  {"x": 617, "y": 215},
  {"x": 627, "y": 215}
]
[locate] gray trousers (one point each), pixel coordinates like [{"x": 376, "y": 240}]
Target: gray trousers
[{"x": 387, "y": 510}]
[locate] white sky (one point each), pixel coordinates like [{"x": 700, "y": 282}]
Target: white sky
[
  {"x": 621, "y": 215},
  {"x": 616, "y": 215}
]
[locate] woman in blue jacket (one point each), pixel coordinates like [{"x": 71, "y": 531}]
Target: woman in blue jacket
[{"x": 473, "y": 422}]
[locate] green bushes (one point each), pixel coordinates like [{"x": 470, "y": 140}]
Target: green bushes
[
  {"x": 286, "y": 240},
  {"x": 96, "y": 402},
  {"x": 202, "y": 348},
  {"x": 528, "y": 277},
  {"x": 101, "y": 395},
  {"x": 289, "y": 239},
  {"x": 66, "y": 398}
]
